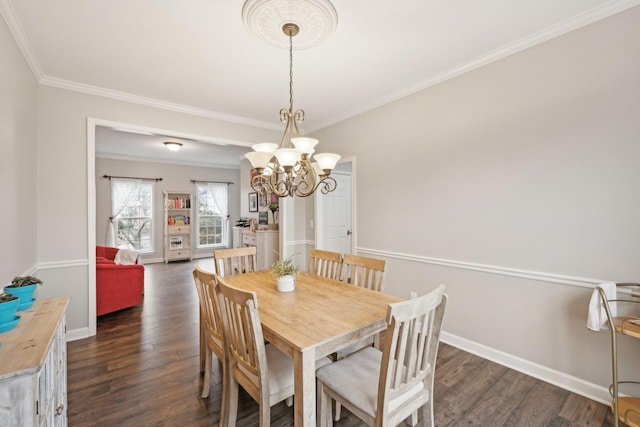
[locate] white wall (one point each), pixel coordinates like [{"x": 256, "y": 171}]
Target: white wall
[
  {"x": 174, "y": 178},
  {"x": 524, "y": 167},
  {"x": 65, "y": 249},
  {"x": 18, "y": 161}
]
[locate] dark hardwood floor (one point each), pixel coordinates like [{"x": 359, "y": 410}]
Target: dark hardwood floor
[{"x": 142, "y": 369}]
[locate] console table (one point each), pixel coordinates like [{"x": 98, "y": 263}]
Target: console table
[{"x": 33, "y": 367}]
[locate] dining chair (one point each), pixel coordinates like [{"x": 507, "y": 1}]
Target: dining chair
[
  {"x": 383, "y": 388},
  {"x": 262, "y": 370},
  {"x": 367, "y": 273},
  {"x": 211, "y": 328},
  {"x": 325, "y": 263},
  {"x": 235, "y": 261},
  {"x": 363, "y": 271}
]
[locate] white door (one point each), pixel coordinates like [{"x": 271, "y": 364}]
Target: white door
[{"x": 334, "y": 230}]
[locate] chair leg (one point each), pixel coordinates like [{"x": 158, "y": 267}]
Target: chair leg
[
  {"x": 203, "y": 346},
  {"x": 206, "y": 381},
  {"x": 225, "y": 392},
  {"x": 427, "y": 414},
  {"x": 265, "y": 415},
  {"x": 323, "y": 404},
  {"x": 230, "y": 408},
  {"x": 289, "y": 401},
  {"x": 337, "y": 407}
]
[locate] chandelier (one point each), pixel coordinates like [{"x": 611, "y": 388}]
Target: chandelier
[{"x": 291, "y": 168}]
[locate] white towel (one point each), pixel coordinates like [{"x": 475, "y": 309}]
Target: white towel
[
  {"x": 126, "y": 256},
  {"x": 597, "y": 316}
]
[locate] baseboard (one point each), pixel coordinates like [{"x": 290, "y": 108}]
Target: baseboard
[
  {"x": 557, "y": 378},
  {"x": 77, "y": 334}
]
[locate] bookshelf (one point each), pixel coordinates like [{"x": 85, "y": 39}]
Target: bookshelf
[{"x": 177, "y": 225}]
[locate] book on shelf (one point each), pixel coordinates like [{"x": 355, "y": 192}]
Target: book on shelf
[{"x": 175, "y": 242}]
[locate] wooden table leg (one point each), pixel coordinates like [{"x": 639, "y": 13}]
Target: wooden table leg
[{"x": 305, "y": 388}]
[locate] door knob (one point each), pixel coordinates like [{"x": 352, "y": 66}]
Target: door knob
[{"x": 348, "y": 232}]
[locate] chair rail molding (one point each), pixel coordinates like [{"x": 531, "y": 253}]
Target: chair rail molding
[{"x": 560, "y": 279}]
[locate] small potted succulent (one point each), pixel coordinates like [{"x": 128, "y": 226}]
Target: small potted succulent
[
  {"x": 23, "y": 287},
  {"x": 285, "y": 272}
]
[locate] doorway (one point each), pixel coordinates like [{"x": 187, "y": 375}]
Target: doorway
[{"x": 335, "y": 212}]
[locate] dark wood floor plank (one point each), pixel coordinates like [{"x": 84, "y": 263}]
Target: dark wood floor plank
[{"x": 142, "y": 369}]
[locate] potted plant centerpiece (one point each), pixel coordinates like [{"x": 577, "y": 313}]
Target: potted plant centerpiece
[
  {"x": 23, "y": 287},
  {"x": 285, "y": 272}
]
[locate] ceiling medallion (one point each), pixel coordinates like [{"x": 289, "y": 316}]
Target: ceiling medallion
[{"x": 317, "y": 19}]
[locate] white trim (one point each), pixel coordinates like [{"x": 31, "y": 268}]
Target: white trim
[
  {"x": 91, "y": 224},
  {"x": 132, "y": 158},
  {"x": 151, "y": 102},
  {"x": 63, "y": 264},
  {"x": 146, "y": 130},
  {"x": 582, "y": 282},
  {"x": 77, "y": 334},
  {"x": 299, "y": 242},
  {"x": 11, "y": 18},
  {"x": 597, "y": 13},
  {"x": 557, "y": 378}
]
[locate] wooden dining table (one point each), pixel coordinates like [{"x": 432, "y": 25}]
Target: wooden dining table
[{"x": 318, "y": 318}]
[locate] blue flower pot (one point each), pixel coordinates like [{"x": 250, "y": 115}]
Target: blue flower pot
[
  {"x": 25, "y": 293},
  {"x": 8, "y": 310}
]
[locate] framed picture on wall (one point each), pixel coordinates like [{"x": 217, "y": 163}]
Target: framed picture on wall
[
  {"x": 263, "y": 218},
  {"x": 263, "y": 200},
  {"x": 253, "y": 202}
]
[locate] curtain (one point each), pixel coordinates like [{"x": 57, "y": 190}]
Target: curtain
[
  {"x": 121, "y": 191},
  {"x": 220, "y": 195}
]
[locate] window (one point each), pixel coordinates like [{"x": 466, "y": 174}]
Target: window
[
  {"x": 132, "y": 214},
  {"x": 212, "y": 214}
]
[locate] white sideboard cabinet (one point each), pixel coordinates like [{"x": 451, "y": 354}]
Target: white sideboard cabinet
[
  {"x": 267, "y": 243},
  {"x": 33, "y": 367}
]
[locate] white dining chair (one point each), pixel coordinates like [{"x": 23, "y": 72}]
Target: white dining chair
[
  {"x": 262, "y": 370},
  {"x": 383, "y": 388}
]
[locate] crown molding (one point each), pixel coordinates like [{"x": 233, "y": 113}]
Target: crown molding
[
  {"x": 603, "y": 11},
  {"x": 598, "y": 13},
  {"x": 131, "y": 158},
  {"x": 151, "y": 102},
  {"x": 9, "y": 14}
]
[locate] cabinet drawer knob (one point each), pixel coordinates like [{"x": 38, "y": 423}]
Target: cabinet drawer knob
[{"x": 59, "y": 409}]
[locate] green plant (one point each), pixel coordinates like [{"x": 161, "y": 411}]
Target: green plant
[
  {"x": 284, "y": 267},
  {"x": 5, "y": 297},
  {"x": 18, "y": 281}
]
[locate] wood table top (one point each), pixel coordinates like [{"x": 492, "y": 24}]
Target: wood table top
[{"x": 318, "y": 311}]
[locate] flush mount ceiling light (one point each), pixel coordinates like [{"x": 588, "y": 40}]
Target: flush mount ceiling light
[
  {"x": 173, "y": 146},
  {"x": 288, "y": 169}
]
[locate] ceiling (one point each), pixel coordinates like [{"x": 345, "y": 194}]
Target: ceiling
[{"x": 196, "y": 56}]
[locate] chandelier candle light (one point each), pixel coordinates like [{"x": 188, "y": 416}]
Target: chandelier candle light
[{"x": 288, "y": 169}]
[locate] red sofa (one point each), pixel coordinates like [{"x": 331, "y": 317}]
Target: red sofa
[{"x": 118, "y": 286}]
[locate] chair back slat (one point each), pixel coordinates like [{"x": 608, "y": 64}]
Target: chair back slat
[
  {"x": 363, "y": 271},
  {"x": 409, "y": 353},
  {"x": 244, "y": 339},
  {"x": 325, "y": 263},
  {"x": 209, "y": 309},
  {"x": 235, "y": 261}
]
